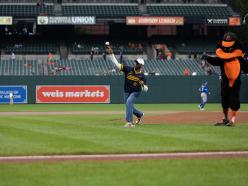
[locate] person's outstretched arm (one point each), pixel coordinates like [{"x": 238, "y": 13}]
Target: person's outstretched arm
[
  {"x": 215, "y": 61},
  {"x": 112, "y": 57}
]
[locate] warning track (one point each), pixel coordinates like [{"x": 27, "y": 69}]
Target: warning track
[{"x": 111, "y": 157}]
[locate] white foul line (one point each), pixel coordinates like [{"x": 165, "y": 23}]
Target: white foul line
[{"x": 124, "y": 156}]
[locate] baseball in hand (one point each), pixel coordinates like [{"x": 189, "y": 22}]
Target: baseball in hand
[
  {"x": 144, "y": 88},
  {"x": 108, "y": 48}
]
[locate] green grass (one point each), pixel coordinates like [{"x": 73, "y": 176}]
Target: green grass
[
  {"x": 108, "y": 107},
  {"x": 203, "y": 172},
  {"x": 82, "y": 134},
  {"x": 65, "y": 134}
]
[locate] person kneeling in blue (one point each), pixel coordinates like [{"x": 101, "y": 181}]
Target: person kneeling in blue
[
  {"x": 135, "y": 82},
  {"x": 204, "y": 95}
]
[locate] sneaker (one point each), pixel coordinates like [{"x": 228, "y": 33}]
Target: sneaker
[
  {"x": 139, "y": 120},
  {"x": 129, "y": 125},
  {"x": 132, "y": 126},
  {"x": 223, "y": 123},
  {"x": 200, "y": 108},
  {"x": 230, "y": 124}
]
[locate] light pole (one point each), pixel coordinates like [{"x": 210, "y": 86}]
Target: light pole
[{"x": 244, "y": 19}]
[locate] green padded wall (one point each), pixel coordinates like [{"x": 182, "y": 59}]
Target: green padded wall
[{"x": 162, "y": 89}]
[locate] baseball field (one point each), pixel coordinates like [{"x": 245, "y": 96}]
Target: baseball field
[{"x": 86, "y": 144}]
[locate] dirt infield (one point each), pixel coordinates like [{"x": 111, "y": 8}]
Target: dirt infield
[
  {"x": 192, "y": 118},
  {"x": 152, "y": 117}
]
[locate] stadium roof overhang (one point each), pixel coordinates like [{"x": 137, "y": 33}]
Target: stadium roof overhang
[{"x": 210, "y": 20}]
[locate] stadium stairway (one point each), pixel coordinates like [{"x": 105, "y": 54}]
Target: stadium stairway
[
  {"x": 57, "y": 8},
  {"x": 63, "y": 50},
  {"x": 143, "y": 9},
  {"x": 149, "y": 51}
]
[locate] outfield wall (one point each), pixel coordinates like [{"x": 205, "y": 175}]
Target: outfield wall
[{"x": 162, "y": 89}]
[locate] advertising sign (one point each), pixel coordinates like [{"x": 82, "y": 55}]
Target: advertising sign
[
  {"x": 73, "y": 94},
  {"x": 154, "y": 20},
  {"x": 234, "y": 21},
  {"x": 19, "y": 94},
  {"x": 217, "y": 22},
  {"x": 63, "y": 20},
  {"x": 6, "y": 20}
]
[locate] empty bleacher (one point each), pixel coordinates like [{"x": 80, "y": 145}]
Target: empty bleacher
[
  {"x": 25, "y": 10},
  {"x": 100, "y": 1},
  {"x": 114, "y": 1},
  {"x": 184, "y": 45},
  {"x": 102, "y": 67},
  {"x": 20, "y": 68},
  {"x": 25, "y": 1},
  {"x": 30, "y": 48},
  {"x": 116, "y": 11},
  {"x": 198, "y": 46},
  {"x": 96, "y": 67},
  {"x": 172, "y": 67},
  {"x": 85, "y": 46},
  {"x": 189, "y": 10},
  {"x": 185, "y": 1},
  {"x": 82, "y": 67}
]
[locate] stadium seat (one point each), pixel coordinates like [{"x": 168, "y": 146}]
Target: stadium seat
[
  {"x": 31, "y": 48},
  {"x": 206, "y": 11},
  {"x": 97, "y": 67},
  {"x": 19, "y": 68},
  {"x": 24, "y": 10},
  {"x": 24, "y": 1},
  {"x": 100, "y": 10}
]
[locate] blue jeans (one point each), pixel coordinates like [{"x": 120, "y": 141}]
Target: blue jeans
[{"x": 130, "y": 99}]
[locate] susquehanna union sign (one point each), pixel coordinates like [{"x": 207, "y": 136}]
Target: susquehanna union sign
[{"x": 64, "y": 20}]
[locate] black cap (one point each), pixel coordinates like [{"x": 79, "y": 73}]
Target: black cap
[{"x": 230, "y": 36}]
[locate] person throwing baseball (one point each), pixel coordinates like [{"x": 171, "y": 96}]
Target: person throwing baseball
[{"x": 135, "y": 82}]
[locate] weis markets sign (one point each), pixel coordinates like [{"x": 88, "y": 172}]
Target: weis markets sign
[
  {"x": 63, "y": 20},
  {"x": 73, "y": 94}
]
